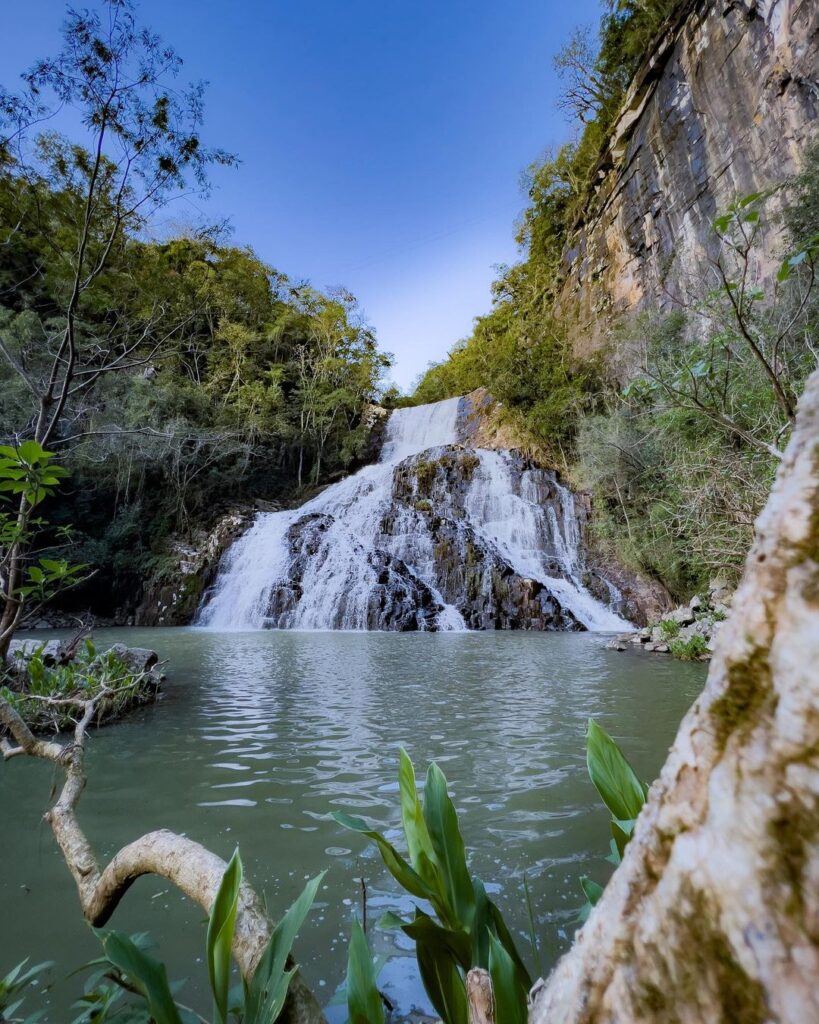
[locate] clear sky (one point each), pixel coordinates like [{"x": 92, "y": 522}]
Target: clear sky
[{"x": 382, "y": 143}]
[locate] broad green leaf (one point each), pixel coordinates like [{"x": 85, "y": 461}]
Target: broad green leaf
[
  {"x": 592, "y": 890},
  {"x": 145, "y": 974},
  {"x": 449, "y": 942},
  {"x": 419, "y": 844},
  {"x": 401, "y": 871},
  {"x": 510, "y": 995},
  {"x": 390, "y": 921},
  {"x": 442, "y": 825},
  {"x": 364, "y": 1005},
  {"x": 31, "y": 451},
  {"x": 265, "y": 996},
  {"x": 612, "y": 775},
  {"x": 504, "y": 936},
  {"x": 221, "y": 924},
  {"x": 443, "y": 982}
]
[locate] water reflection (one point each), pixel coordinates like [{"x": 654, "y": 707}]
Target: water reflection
[{"x": 261, "y": 734}]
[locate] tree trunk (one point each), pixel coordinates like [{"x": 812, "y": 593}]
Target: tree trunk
[{"x": 714, "y": 913}]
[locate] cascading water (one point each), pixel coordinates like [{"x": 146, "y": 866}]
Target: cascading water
[{"x": 494, "y": 545}]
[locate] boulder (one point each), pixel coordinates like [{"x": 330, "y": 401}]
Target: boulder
[{"x": 24, "y": 649}]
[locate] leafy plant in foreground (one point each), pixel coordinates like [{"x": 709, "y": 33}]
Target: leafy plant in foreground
[
  {"x": 133, "y": 970},
  {"x": 364, "y": 1005},
  {"x": 621, "y": 791},
  {"x": 13, "y": 984},
  {"x": 469, "y": 930}
]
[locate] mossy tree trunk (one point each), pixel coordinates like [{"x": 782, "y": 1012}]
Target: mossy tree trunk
[{"x": 714, "y": 913}]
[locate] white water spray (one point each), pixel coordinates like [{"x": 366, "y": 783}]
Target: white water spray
[{"x": 352, "y": 559}]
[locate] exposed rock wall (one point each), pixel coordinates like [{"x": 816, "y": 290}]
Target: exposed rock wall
[
  {"x": 714, "y": 913},
  {"x": 725, "y": 107},
  {"x": 172, "y": 599}
]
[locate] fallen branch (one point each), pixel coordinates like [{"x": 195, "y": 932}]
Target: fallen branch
[{"x": 188, "y": 865}]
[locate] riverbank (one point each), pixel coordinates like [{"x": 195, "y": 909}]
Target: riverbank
[{"x": 47, "y": 681}]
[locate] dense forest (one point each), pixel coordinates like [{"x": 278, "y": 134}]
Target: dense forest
[
  {"x": 205, "y": 378},
  {"x": 199, "y": 375},
  {"x": 676, "y": 424}
]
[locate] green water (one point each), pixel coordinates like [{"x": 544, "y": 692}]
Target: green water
[{"x": 259, "y": 735}]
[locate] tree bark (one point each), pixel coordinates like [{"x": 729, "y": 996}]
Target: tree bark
[{"x": 714, "y": 913}]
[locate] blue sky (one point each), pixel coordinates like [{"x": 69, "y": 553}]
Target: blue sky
[{"x": 382, "y": 143}]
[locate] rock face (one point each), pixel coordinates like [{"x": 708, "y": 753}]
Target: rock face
[
  {"x": 443, "y": 532},
  {"x": 713, "y": 914},
  {"x": 725, "y": 107},
  {"x": 688, "y": 631},
  {"x": 432, "y": 497},
  {"x": 172, "y": 599}
]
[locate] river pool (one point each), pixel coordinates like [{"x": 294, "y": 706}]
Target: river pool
[{"x": 260, "y": 734}]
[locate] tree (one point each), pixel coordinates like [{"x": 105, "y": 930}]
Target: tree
[
  {"x": 744, "y": 361},
  {"x": 585, "y": 90},
  {"x": 76, "y": 205},
  {"x": 712, "y": 913}
]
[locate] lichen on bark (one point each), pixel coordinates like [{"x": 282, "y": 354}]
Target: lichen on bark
[{"x": 714, "y": 913}]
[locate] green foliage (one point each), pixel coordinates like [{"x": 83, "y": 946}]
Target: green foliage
[
  {"x": 437, "y": 871},
  {"x": 267, "y": 991},
  {"x": 28, "y": 475},
  {"x": 691, "y": 649},
  {"x": 144, "y": 974},
  {"x": 13, "y": 990},
  {"x": 622, "y": 793},
  {"x": 669, "y": 628},
  {"x": 613, "y": 777},
  {"x": 126, "y": 969},
  {"x": 33, "y": 683},
  {"x": 364, "y": 1005},
  {"x": 221, "y": 924},
  {"x": 200, "y": 376}
]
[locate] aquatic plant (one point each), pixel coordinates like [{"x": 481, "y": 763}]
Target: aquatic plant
[
  {"x": 470, "y": 931},
  {"x": 622, "y": 793}
]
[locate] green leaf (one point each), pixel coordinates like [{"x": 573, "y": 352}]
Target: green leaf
[
  {"x": 265, "y": 996},
  {"x": 503, "y": 934},
  {"x": 364, "y": 1004},
  {"x": 748, "y": 200},
  {"x": 442, "y": 825},
  {"x": 419, "y": 844},
  {"x": 443, "y": 981},
  {"x": 448, "y": 941},
  {"x": 145, "y": 974},
  {"x": 592, "y": 890},
  {"x": 621, "y": 833},
  {"x": 510, "y": 996},
  {"x": 481, "y": 924},
  {"x": 31, "y": 452},
  {"x": 612, "y": 775},
  {"x": 401, "y": 871},
  {"x": 221, "y": 924}
]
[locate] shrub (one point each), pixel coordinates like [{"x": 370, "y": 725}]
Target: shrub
[
  {"x": 42, "y": 693},
  {"x": 691, "y": 649}
]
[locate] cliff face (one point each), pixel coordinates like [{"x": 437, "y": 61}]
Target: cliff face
[{"x": 725, "y": 107}]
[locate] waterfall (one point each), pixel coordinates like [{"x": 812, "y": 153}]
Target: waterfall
[{"x": 432, "y": 536}]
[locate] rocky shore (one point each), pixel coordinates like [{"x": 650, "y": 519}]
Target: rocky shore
[{"x": 688, "y": 632}]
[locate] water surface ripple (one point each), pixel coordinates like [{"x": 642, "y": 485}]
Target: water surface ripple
[{"x": 261, "y": 734}]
